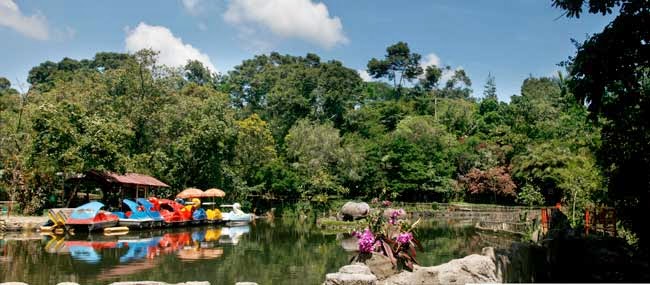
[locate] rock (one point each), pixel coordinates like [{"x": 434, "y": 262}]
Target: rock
[
  {"x": 357, "y": 268},
  {"x": 380, "y": 266},
  {"x": 354, "y": 210},
  {"x": 13, "y": 283},
  {"x": 355, "y": 274},
  {"x": 160, "y": 283},
  {"x": 350, "y": 244},
  {"x": 474, "y": 268}
]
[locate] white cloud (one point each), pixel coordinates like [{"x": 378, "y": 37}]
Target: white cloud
[
  {"x": 34, "y": 26},
  {"x": 430, "y": 59},
  {"x": 364, "y": 75},
  {"x": 192, "y": 6},
  {"x": 301, "y": 19},
  {"x": 173, "y": 52}
]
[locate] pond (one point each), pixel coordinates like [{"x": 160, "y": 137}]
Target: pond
[{"x": 280, "y": 251}]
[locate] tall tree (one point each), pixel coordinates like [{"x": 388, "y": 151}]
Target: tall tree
[
  {"x": 459, "y": 86},
  {"x": 611, "y": 72},
  {"x": 490, "y": 89},
  {"x": 399, "y": 65}
]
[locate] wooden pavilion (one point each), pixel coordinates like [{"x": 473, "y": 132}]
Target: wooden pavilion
[{"x": 115, "y": 187}]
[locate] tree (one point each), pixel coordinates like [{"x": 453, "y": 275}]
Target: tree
[
  {"x": 196, "y": 72},
  {"x": 417, "y": 159},
  {"x": 493, "y": 183},
  {"x": 431, "y": 78},
  {"x": 399, "y": 65},
  {"x": 5, "y": 84},
  {"x": 458, "y": 86},
  {"x": 314, "y": 151},
  {"x": 254, "y": 150},
  {"x": 611, "y": 72},
  {"x": 490, "y": 89}
]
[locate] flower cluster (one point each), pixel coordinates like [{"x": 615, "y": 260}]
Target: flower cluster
[
  {"x": 394, "y": 215},
  {"x": 366, "y": 241},
  {"x": 404, "y": 238},
  {"x": 388, "y": 235}
]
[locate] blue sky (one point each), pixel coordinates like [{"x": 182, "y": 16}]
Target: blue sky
[{"x": 509, "y": 39}]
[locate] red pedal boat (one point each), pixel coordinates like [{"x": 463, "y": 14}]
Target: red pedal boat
[
  {"x": 90, "y": 217},
  {"x": 172, "y": 212}
]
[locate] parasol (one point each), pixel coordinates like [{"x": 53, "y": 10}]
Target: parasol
[
  {"x": 214, "y": 192},
  {"x": 190, "y": 193}
]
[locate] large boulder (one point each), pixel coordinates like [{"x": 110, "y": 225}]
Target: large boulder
[
  {"x": 355, "y": 274},
  {"x": 474, "y": 268},
  {"x": 381, "y": 266},
  {"x": 354, "y": 210}
]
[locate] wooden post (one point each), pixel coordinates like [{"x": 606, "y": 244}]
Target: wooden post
[
  {"x": 587, "y": 222},
  {"x": 544, "y": 220}
]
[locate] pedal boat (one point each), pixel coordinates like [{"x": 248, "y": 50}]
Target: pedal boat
[
  {"x": 135, "y": 217},
  {"x": 90, "y": 217}
]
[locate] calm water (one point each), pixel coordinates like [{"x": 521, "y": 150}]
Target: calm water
[{"x": 282, "y": 251}]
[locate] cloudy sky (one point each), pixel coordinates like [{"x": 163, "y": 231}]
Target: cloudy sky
[{"x": 509, "y": 39}]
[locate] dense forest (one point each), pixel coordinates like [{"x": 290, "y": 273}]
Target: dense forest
[
  {"x": 303, "y": 129},
  {"x": 299, "y": 128}
]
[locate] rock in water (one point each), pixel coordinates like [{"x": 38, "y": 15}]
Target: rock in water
[{"x": 353, "y": 210}]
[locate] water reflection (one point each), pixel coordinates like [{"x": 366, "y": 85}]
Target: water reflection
[
  {"x": 281, "y": 251},
  {"x": 190, "y": 244}
]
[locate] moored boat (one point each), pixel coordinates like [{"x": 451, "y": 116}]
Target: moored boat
[
  {"x": 172, "y": 212},
  {"x": 90, "y": 217},
  {"x": 151, "y": 211},
  {"x": 135, "y": 216},
  {"x": 236, "y": 215},
  {"x": 199, "y": 215}
]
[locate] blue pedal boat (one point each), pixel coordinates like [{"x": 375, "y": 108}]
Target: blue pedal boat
[
  {"x": 135, "y": 216},
  {"x": 150, "y": 209}
]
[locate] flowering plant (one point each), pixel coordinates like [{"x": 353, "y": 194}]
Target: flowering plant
[{"x": 389, "y": 235}]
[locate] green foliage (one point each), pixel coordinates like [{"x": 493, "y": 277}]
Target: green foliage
[
  {"x": 399, "y": 65},
  {"x": 295, "y": 128},
  {"x": 610, "y": 73},
  {"x": 490, "y": 89},
  {"x": 530, "y": 195}
]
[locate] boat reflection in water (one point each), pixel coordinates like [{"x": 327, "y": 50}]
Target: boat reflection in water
[{"x": 131, "y": 253}]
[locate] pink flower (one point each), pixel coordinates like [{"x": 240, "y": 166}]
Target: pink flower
[
  {"x": 404, "y": 238},
  {"x": 386, "y": 203},
  {"x": 394, "y": 215},
  {"x": 366, "y": 241}
]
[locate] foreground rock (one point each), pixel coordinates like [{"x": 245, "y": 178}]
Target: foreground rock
[
  {"x": 160, "y": 283},
  {"x": 355, "y": 274},
  {"x": 139, "y": 283},
  {"x": 474, "y": 268},
  {"x": 353, "y": 210}
]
